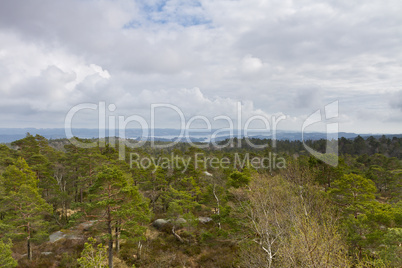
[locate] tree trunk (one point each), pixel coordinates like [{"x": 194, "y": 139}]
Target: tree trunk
[
  {"x": 29, "y": 242},
  {"x": 217, "y": 206},
  {"x": 110, "y": 253},
  {"x": 329, "y": 182},
  {"x": 177, "y": 236},
  {"x": 139, "y": 250},
  {"x": 65, "y": 211},
  {"x": 29, "y": 248},
  {"x": 76, "y": 192},
  {"x": 109, "y": 229},
  {"x": 117, "y": 238}
]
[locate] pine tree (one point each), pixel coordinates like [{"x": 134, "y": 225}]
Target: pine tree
[
  {"x": 117, "y": 204},
  {"x": 6, "y": 260},
  {"x": 24, "y": 207}
]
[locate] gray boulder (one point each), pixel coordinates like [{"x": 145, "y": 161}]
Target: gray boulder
[
  {"x": 56, "y": 236},
  {"x": 204, "y": 219},
  {"x": 159, "y": 223},
  {"x": 71, "y": 235},
  {"x": 180, "y": 221}
]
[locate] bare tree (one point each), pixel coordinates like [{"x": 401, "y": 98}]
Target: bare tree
[
  {"x": 292, "y": 225},
  {"x": 266, "y": 209},
  {"x": 314, "y": 239}
]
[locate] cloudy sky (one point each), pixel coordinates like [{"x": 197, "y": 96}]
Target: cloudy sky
[{"x": 276, "y": 58}]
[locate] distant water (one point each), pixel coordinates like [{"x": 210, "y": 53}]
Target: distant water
[{"x": 12, "y": 134}]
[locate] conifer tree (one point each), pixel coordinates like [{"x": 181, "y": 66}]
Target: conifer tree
[
  {"x": 24, "y": 206},
  {"x": 117, "y": 205},
  {"x": 6, "y": 260}
]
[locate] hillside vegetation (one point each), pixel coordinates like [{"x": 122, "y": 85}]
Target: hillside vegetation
[{"x": 181, "y": 206}]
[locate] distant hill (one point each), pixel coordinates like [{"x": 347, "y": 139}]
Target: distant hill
[{"x": 8, "y": 135}]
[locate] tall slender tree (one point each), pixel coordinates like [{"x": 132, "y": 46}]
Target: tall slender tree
[
  {"x": 24, "y": 205},
  {"x": 117, "y": 205}
]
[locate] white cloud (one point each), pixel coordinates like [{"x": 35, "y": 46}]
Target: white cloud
[
  {"x": 251, "y": 64},
  {"x": 289, "y": 57}
]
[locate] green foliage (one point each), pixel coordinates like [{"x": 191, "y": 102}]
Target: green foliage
[
  {"x": 324, "y": 173},
  {"x": 114, "y": 195},
  {"x": 207, "y": 236},
  {"x": 93, "y": 256},
  {"x": 182, "y": 201},
  {"x": 174, "y": 210},
  {"x": 367, "y": 222},
  {"x": 353, "y": 191},
  {"x": 91, "y": 183},
  {"x": 238, "y": 179},
  {"x": 24, "y": 208},
  {"x": 117, "y": 205},
  {"x": 68, "y": 261},
  {"x": 6, "y": 260},
  {"x": 17, "y": 175},
  {"x": 391, "y": 250}
]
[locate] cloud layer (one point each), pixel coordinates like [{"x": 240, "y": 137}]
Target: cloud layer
[{"x": 275, "y": 57}]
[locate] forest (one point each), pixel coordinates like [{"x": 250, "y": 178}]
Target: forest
[{"x": 66, "y": 206}]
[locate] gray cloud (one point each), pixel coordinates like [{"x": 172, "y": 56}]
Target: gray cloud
[
  {"x": 280, "y": 57},
  {"x": 396, "y": 100}
]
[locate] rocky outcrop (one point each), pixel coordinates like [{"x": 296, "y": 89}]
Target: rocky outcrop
[
  {"x": 204, "y": 220},
  {"x": 160, "y": 223},
  {"x": 72, "y": 233}
]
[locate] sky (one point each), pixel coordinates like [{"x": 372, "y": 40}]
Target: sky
[{"x": 280, "y": 60}]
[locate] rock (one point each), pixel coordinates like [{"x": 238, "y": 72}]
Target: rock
[
  {"x": 204, "y": 219},
  {"x": 180, "y": 221},
  {"x": 208, "y": 174},
  {"x": 72, "y": 235},
  {"x": 159, "y": 223},
  {"x": 86, "y": 225},
  {"x": 56, "y": 236}
]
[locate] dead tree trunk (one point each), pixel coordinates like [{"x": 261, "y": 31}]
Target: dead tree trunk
[{"x": 177, "y": 236}]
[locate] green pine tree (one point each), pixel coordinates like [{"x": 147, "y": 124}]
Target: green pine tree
[
  {"x": 117, "y": 205},
  {"x": 6, "y": 260},
  {"x": 24, "y": 207}
]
